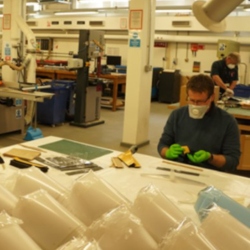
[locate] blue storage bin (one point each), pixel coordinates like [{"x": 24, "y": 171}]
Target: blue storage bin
[
  {"x": 242, "y": 90},
  {"x": 52, "y": 111},
  {"x": 121, "y": 69}
]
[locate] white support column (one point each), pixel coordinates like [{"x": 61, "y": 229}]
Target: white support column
[
  {"x": 11, "y": 36},
  {"x": 14, "y": 25},
  {"x": 139, "y": 72}
]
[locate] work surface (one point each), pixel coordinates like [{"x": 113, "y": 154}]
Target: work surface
[
  {"x": 129, "y": 181},
  {"x": 181, "y": 189}
]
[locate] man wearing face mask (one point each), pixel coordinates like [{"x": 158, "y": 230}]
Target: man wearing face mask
[
  {"x": 210, "y": 133},
  {"x": 225, "y": 73}
]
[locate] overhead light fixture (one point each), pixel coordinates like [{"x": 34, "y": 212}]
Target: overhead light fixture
[
  {"x": 75, "y": 13},
  {"x": 174, "y": 11},
  {"x": 31, "y": 4},
  {"x": 211, "y": 14},
  {"x": 54, "y": 1},
  {"x": 1, "y": 5}
]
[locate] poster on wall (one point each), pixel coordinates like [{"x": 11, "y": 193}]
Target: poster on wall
[
  {"x": 123, "y": 23},
  {"x": 196, "y": 66},
  {"x": 135, "y": 19},
  {"x": 6, "y": 22}
]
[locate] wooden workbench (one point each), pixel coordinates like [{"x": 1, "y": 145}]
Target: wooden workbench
[
  {"x": 243, "y": 118},
  {"x": 66, "y": 74},
  {"x": 45, "y": 72},
  {"x": 116, "y": 79}
]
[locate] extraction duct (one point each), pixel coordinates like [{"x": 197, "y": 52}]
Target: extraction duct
[{"x": 211, "y": 14}]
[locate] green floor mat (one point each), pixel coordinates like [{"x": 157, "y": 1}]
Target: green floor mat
[{"x": 76, "y": 149}]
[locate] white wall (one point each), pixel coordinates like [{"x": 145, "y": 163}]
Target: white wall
[
  {"x": 178, "y": 40},
  {"x": 174, "y": 50}
]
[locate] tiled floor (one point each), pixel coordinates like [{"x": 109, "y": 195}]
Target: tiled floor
[{"x": 108, "y": 135}]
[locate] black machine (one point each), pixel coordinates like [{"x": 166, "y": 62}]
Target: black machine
[
  {"x": 88, "y": 90},
  {"x": 169, "y": 86}
]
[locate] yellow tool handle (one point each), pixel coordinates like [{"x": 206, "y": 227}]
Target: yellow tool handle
[{"x": 28, "y": 162}]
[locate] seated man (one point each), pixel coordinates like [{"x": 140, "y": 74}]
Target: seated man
[{"x": 210, "y": 133}]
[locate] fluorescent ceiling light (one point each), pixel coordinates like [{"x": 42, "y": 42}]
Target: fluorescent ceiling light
[
  {"x": 1, "y": 5},
  {"x": 75, "y": 13},
  {"x": 174, "y": 11},
  {"x": 31, "y": 4}
]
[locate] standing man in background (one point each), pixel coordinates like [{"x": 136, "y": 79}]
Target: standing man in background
[{"x": 225, "y": 73}]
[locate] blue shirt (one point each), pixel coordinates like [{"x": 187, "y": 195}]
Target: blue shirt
[{"x": 217, "y": 132}]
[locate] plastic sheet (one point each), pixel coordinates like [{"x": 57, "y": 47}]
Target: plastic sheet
[
  {"x": 32, "y": 179},
  {"x": 120, "y": 229},
  {"x": 7, "y": 200},
  {"x": 212, "y": 195},
  {"x": 47, "y": 221},
  {"x": 224, "y": 231},
  {"x": 157, "y": 213},
  {"x": 12, "y": 236},
  {"x": 80, "y": 244},
  {"x": 91, "y": 197},
  {"x": 187, "y": 236}
]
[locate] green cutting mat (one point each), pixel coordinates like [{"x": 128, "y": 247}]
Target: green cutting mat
[{"x": 76, "y": 149}]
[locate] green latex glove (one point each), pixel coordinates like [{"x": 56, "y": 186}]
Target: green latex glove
[
  {"x": 174, "y": 151},
  {"x": 199, "y": 156}
]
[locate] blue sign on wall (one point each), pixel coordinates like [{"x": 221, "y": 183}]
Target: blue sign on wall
[{"x": 135, "y": 43}]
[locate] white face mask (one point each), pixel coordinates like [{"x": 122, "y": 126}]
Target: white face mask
[
  {"x": 231, "y": 66},
  {"x": 197, "y": 112}
]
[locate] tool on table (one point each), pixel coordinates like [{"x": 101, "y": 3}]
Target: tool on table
[
  {"x": 116, "y": 162},
  {"x": 178, "y": 171},
  {"x": 128, "y": 159},
  {"x": 83, "y": 170},
  {"x": 20, "y": 163},
  {"x": 46, "y": 162},
  {"x": 182, "y": 165},
  {"x": 34, "y": 148},
  {"x": 69, "y": 165},
  {"x": 175, "y": 179}
]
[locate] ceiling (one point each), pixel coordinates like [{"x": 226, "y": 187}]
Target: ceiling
[{"x": 112, "y": 7}]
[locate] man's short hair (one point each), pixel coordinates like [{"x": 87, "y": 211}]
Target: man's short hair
[
  {"x": 235, "y": 56},
  {"x": 201, "y": 83}
]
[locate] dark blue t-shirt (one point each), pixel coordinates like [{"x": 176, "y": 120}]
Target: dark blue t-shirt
[{"x": 227, "y": 75}]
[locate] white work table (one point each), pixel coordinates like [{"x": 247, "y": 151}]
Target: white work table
[
  {"x": 181, "y": 191},
  {"x": 128, "y": 181}
]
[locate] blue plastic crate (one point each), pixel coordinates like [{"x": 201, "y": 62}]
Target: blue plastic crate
[
  {"x": 242, "y": 90},
  {"x": 121, "y": 69},
  {"x": 52, "y": 111}
]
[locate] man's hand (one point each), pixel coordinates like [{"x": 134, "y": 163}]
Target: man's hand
[
  {"x": 229, "y": 92},
  {"x": 174, "y": 151},
  {"x": 199, "y": 156}
]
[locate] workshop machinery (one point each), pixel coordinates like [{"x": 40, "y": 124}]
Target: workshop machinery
[{"x": 88, "y": 89}]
